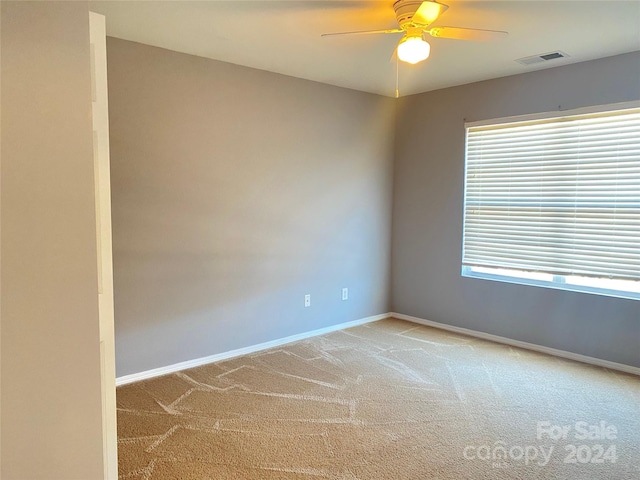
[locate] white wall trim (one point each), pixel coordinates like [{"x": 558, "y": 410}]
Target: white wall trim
[
  {"x": 517, "y": 343},
  {"x": 176, "y": 367}
]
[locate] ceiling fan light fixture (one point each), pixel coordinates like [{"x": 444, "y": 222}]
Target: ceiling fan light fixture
[{"x": 413, "y": 50}]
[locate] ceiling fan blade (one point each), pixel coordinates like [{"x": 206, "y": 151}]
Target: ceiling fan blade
[
  {"x": 428, "y": 12},
  {"x": 363, "y": 32},
  {"x": 458, "y": 33}
]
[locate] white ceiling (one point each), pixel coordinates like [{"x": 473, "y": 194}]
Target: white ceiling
[{"x": 284, "y": 37}]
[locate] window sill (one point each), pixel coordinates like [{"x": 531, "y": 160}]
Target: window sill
[{"x": 558, "y": 283}]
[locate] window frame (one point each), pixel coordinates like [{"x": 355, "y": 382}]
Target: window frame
[{"x": 521, "y": 277}]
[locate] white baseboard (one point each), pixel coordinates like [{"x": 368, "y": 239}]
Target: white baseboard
[
  {"x": 517, "y": 343},
  {"x": 176, "y": 367}
]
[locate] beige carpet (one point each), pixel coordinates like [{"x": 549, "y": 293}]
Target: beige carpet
[{"x": 389, "y": 400}]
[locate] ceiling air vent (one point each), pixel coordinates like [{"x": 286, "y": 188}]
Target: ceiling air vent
[{"x": 545, "y": 57}]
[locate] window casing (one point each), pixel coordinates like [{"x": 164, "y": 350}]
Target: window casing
[{"x": 554, "y": 201}]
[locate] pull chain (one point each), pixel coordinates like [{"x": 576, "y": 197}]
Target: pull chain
[{"x": 397, "y": 76}]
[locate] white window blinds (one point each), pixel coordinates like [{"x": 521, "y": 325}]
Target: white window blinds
[{"x": 559, "y": 196}]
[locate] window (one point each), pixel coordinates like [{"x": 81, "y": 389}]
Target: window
[{"x": 555, "y": 201}]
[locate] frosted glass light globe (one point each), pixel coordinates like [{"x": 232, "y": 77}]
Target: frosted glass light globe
[{"x": 413, "y": 50}]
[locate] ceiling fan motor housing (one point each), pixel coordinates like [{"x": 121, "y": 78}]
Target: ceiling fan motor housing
[{"x": 405, "y": 9}]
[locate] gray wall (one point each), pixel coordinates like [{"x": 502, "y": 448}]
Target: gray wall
[
  {"x": 51, "y": 410},
  {"x": 427, "y": 215},
  {"x": 235, "y": 192}
]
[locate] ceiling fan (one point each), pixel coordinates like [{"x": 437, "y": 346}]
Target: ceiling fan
[{"x": 414, "y": 18}]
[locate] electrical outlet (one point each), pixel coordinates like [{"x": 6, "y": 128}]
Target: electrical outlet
[
  {"x": 307, "y": 300},
  {"x": 345, "y": 294}
]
